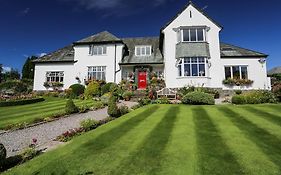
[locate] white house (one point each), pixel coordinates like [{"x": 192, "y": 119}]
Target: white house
[{"x": 188, "y": 52}]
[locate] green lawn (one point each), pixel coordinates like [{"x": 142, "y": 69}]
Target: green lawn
[
  {"x": 27, "y": 113},
  {"x": 173, "y": 139}
]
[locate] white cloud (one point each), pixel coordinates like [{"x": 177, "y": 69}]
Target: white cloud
[
  {"x": 7, "y": 69},
  {"x": 41, "y": 54}
]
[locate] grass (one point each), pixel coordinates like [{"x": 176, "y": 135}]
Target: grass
[
  {"x": 173, "y": 139},
  {"x": 28, "y": 113}
]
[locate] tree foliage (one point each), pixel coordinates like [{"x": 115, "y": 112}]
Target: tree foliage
[{"x": 28, "y": 68}]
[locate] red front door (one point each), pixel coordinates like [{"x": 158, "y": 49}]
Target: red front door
[{"x": 142, "y": 80}]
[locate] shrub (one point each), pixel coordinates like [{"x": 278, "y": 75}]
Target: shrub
[
  {"x": 97, "y": 105},
  {"x": 185, "y": 90},
  {"x": 162, "y": 100},
  {"x": 127, "y": 95},
  {"x": 144, "y": 101},
  {"x": 10, "y": 162},
  {"x": 20, "y": 102},
  {"x": 106, "y": 88},
  {"x": 198, "y": 98},
  {"x": 276, "y": 89},
  {"x": 238, "y": 99},
  {"x": 116, "y": 91},
  {"x": 113, "y": 108},
  {"x": 238, "y": 92},
  {"x": 77, "y": 89},
  {"x": 3, "y": 154},
  {"x": 89, "y": 124},
  {"x": 70, "y": 107},
  {"x": 214, "y": 92},
  {"x": 105, "y": 98},
  {"x": 92, "y": 90},
  {"x": 135, "y": 107},
  {"x": 83, "y": 108},
  {"x": 254, "y": 97},
  {"x": 14, "y": 86},
  {"x": 123, "y": 110}
]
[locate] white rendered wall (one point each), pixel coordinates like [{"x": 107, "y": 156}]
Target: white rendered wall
[
  {"x": 40, "y": 74},
  {"x": 256, "y": 72},
  {"x": 84, "y": 60},
  {"x": 214, "y": 76}
]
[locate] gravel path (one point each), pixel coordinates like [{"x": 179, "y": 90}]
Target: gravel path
[{"x": 16, "y": 141}]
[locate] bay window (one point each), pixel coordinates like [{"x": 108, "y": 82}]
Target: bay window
[
  {"x": 55, "y": 76},
  {"x": 192, "y": 67},
  {"x": 236, "y": 72},
  {"x": 192, "y": 35},
  {"x": 97, "y": 73}
]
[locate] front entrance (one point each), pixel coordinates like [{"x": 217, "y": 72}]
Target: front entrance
[{"x": 142, "y": 81}]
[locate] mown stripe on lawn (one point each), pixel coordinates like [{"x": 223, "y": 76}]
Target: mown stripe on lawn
[
  {"x": 147, "y": 158},
  {"x": 214, "y": 156},
  {"x": 267, "y": 142},
  {"x": 274, "y": 107},
  {"x": 248, "y": 154},
  {"x": 270, "y": 117}
]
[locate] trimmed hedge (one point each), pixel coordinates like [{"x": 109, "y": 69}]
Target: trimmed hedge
[
  {"x": 21, "y": 102},
  {"x": 198, "y": 98},
  {"x": 77, "y": 89},
  {"x": 254, "y": 97}
]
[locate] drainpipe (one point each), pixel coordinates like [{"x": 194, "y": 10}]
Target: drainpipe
[{"x": 115, "y": 66}]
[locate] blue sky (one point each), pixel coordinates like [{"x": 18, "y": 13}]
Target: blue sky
[{"x": 33, "y": 27}]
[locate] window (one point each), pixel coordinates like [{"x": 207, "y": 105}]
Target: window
[
  {"x": 192, "y": 67},
  {"x": 236, "y": 72},
  {"x": 54, "y": 76},
  {"x": 193, "y": 35},
  {"x": 143, "y": 50},
  {"x": 97, "y": 50},
  {"x": 96, "y": 73}
]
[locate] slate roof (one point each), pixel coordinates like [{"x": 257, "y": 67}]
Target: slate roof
[
  {"x": 65, "y": 54},
  {"x": 102, "y": 37},
  {"x": 276, "y": 70},
  {"x": 129, "y": 56},
  {"x": 230, "y": 51}
]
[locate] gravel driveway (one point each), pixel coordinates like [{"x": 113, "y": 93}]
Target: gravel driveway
[{"x": 16, "y": 141}]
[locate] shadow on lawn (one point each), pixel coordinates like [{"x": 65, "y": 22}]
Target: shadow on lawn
[
  {"x": 214, "y": 156},
  {"x": 267, "y": 142},
  {"x": 147, "y": 158},
  {"x": 267, "y": 116}
]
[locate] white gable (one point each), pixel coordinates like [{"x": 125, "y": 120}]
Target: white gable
[{"x": 191, "y": 16}]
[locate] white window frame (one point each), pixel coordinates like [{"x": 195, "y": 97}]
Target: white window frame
[
  {"x": 141, "y": 47},
  {"x": 52, "y": 78},
  {"x": 102, "y": 48},
  {"x": 198, "y": 65},
  {"x": 196, "y": 29},
  {"x": 95, "y": 70},
  {"x": 240, "y": 70}
]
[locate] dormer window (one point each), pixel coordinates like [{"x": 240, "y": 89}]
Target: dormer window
[
  {"x": 97, "y": 50},
  {"x": 143, "y": 50},
  {"x": 192, "y": 35}
]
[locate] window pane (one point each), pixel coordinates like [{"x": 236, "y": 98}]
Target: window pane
[
  {"x": 193, "y": 60},
  {"x": 99, "y": 50},
  {"x": 138, "y": 51},
  {"x": 187, "y": 70},
  {"x": 227, "y": 71},
  {"x": 201, "y": 60},
  {"x": 193, "y": 34},
  {"x": 244, "y": 72},
  {"x": 194, "y": 70},
  {"x": 104, "y": 50},
  {"x": 147, "y": 50},
  {"x": 95, "y": 50},
  {"x": 236, "y": 72},
  {"x": 185, "y": 35},
  {"x": 179, "y": 71},
  {"x": 202, "y": 70},
  {"x": 200, "y": 36},
  {"x": 143, "y": 51}
]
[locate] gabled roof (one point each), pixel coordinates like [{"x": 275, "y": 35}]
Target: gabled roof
[
  {"x": 102, "y": 37},
  {"x": 230, "y": 51},
  {"x": 65, "y": 54},
  {"x": 276, "y": 70},
  {"x": 129, "y": 56},
  {"x": 184, "y": 8}
]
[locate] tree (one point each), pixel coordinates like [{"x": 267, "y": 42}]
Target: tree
[
  {"x": 28, "y": 68},
  {"x": 11, "y": 75},
  {"x": 1, "y": 72}
]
